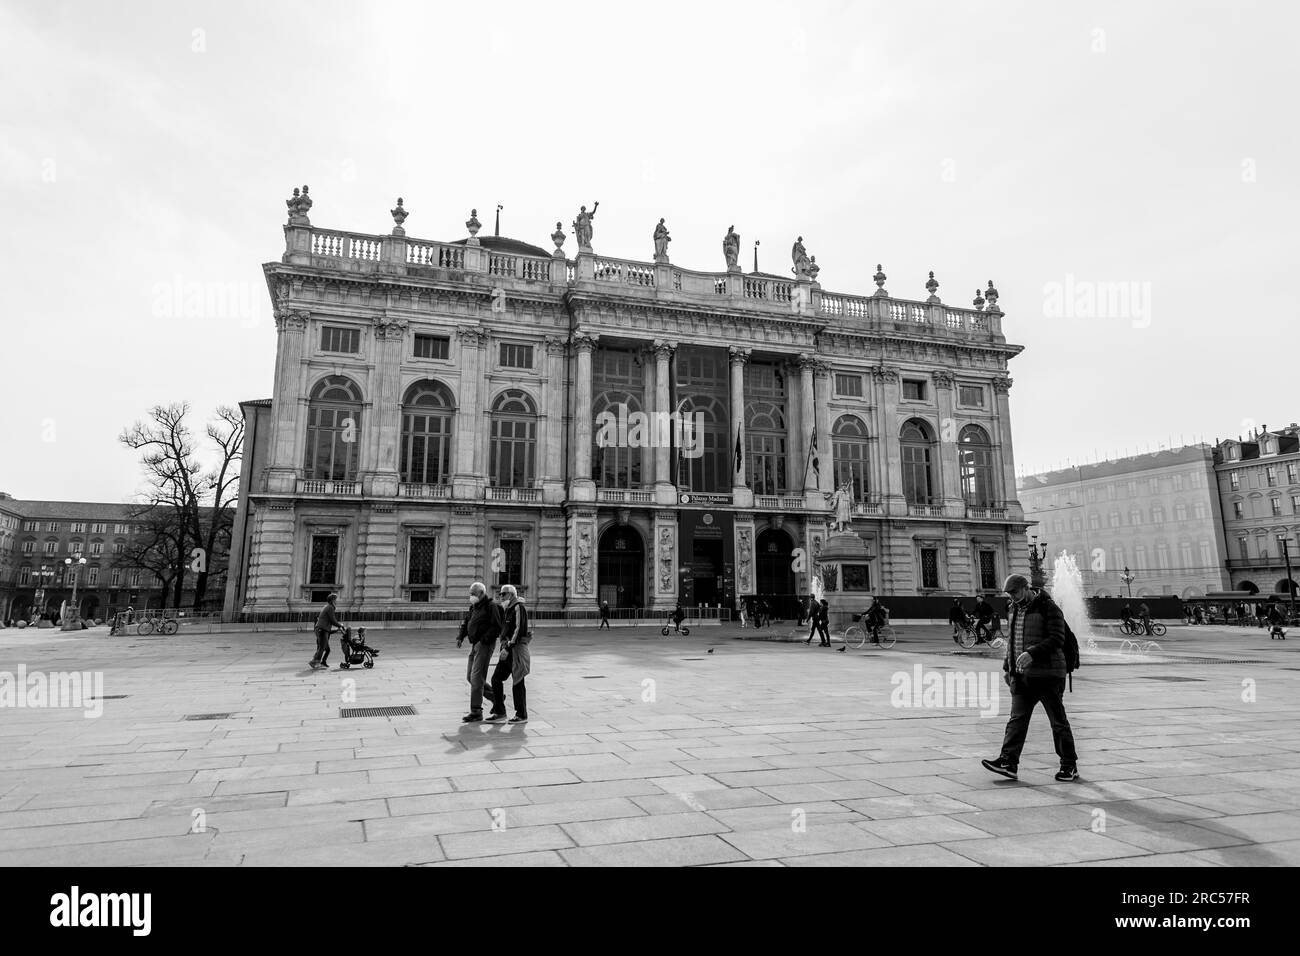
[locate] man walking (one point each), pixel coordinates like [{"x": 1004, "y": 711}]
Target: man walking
[
  {"x": 326, "y": 622},
  {"x": 1035, "y": 673},
  {"x": 482, "y": 627},
  {"x": 604, "y": 615}
]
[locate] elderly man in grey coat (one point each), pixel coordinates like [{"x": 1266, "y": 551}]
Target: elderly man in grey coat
[
  {"x": 482, "y": 626},
  {"x": 515, "y": 659}
]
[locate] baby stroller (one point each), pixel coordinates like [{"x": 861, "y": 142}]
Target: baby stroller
[{"x": 356, "y": 651}]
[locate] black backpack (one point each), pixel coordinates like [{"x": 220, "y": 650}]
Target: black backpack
[{"x": 1071, "y": 649}]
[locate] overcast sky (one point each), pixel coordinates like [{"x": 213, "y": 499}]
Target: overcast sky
[{"x": 1053, "y": 148}]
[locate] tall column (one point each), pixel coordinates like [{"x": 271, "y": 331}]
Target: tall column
[
  {"x": 468, "y": 483},
  {"x": 887, "y": 384},
  {"x": 584, "y": 489},
  {"x": 554, "y": 411},
  {"x": 796, "y": 441},
  {"x": 665, "y": 493},
  {"x": 808, "y": 422},
  {"x": 949, "y": 463},
  {"x": 742, "y": 496},
  {"x": 385, "y": 424},
  {"x": 291, "y": 329},
  {"x": 1002, "y": 435},
  {"x": 822, "y": 418}
]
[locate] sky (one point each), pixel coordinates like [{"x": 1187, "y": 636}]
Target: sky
[{"x": 1128, "y": 175}]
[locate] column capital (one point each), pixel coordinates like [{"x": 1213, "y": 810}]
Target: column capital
[
  {"x": 294, "y": 321},
  {"x": 943, "y": 378},
  {"x": 739, "y": 356},
  {"x": 1002, "y": 385},
  {"x": 585, "y": 342},
  {"x": 663, "y": 349},
  {"x": 472, "y": 335},
  {"x": 556, "y": 346},
  {"x": 821, "y": 369},
  {"x": 806, "y": 362},
  {"x": 386, "y": 327},
  {"x": 884, "y": 373}
]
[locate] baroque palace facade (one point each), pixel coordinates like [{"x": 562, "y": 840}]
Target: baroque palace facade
[{"x": 605, "y": 429}]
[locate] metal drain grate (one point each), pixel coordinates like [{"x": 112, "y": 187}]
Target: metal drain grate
[
  {"x": 406, "y": 710},
  {"x": 207, "y": 716}
]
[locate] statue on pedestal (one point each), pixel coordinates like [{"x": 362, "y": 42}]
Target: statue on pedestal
[
  {"x": 298, "y": 207},
  {"x": 731, "y": 249},
  {"x": 661, "y": 239},
  {"x": 842, "y": 502},
  {"x": 800, "y": 257},
  {"x": 582, "y": 226}
]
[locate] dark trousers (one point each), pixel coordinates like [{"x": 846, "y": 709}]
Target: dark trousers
[
  {"x": 498, "y": 690},
  {"x": 604, "y": 622},
  {"x": 322, "y": 646},
  {"x": 1025, "y": 693},
  {"x": 480, "y": 658}
]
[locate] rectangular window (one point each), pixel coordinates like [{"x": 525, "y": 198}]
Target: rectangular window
[
  {"x": 420, "y": 565},
  {"x": 513, "y": 572},
  {"x": 1234, "y": 480},
  {"x": 96, "y": 547},
  {"x": 119, "y": 548},
  {"x": 1271, "y": 474},
  {"x": 29, "y": 547},
  {"x": 929, "y": 568},
  {"x": 97, "y": 529},
  {"x": 432, "y": 346},
  {"x": 115, "y": 578},
  {"x": 1245, "y": 548},
  {"x": 988, "y": 570},
  {"x": 336, "y": 339},
  {"x": 516, "y": 356},
  {"x": 848, "y": 385},
  {"x": 1110, "y": 492},
  {"x": 1178, "y": 482},
  {"x": 857, "y": 577},
  {"x": 913, "y": 390},
  {"x": 324, "y": 565},
  {"x": 1277, "y": 506},
  {"x": 1092, "y": 494},
  {"x": 78, "y": 527},
  {"x": 135, "y": 578},
  {"x": 1237, "y": 511},
  {"x": 92, "y": 577},
  {"x": 1154, "y": 485},
  {"x": 121, "y": 529},
  {"x": 1291, "y": 474},
  {"x": 972, "y": 395},
  {"x": 53, "y": 526},
  {"x": 1295, "y": 504},
  {"x": 50, "y": 546},
  {"x": 30, "y": 525},
  {"x": 24, "y": 575}
]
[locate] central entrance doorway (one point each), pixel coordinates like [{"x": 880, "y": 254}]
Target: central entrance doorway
[
  {"x": 775, "y": 572},
  {"x": 620, "y": 570}
]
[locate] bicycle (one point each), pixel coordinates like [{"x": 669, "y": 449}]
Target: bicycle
[
  {"x": 968, "y": 637},
  {"x": 1153, "y": 629},
  {"x": 163, "y": 626},
  {"x": 886, "y": 636},
  {"x": 683, "y": 630}
]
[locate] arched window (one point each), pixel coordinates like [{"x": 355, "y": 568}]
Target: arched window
[
  {"x": 333, "y": 430},
  {"x": 427, "y": 413},
  {"x": 765, "y": 423},
  {"x": 851, "y": 455},
  {"x": 918, "y": 479},
  {"x": 616, "y": 457},
  {"x": 514, "y": 440},
  {"x": 704, "y": 455},
  {"x": 976, "y": 456}
]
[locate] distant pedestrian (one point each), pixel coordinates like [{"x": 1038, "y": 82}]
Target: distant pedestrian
[
  {"x": 482, "y": 628},
  {"x": 1144, "y": 615},
  {"x": 326, "y": 622},
  {"x": 604, "y": 615},
  {"x": 744, "y": 603},
  {"x": 515, "y": 658},
  {"x": 957, "y": 618},
  {"x": 1035, "y": 671},
  {"x": 760, "y": 610}
]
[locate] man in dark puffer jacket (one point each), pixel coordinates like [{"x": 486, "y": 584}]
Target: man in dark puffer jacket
[{"x": 1035, "y": 672}]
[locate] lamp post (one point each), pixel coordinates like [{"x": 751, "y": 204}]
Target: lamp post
[
  {"x": 1290, "y": 587},
  {"x": 1127, "y": 578},
  {"x": 1036, "y": 558},
  {"x": 74, "y": 563}
]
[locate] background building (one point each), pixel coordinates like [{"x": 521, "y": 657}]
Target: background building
[
  {"x": 442, "y": 414},
  {"x": 37, "y": 536},
  {"x": 1258, "y": 483},
  {"x": 1158, "y": 515}
]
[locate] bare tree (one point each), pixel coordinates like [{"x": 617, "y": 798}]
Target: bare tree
[{"x": 197, "y": 503}]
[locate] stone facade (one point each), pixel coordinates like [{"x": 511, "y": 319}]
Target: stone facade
[
  {"x": 1156, "y": 515},
  {"x": 1258, "y": 481},
  {"x": 445, "y": 412}
]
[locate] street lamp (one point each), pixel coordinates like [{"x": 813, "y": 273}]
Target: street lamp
[
  {"x": 1036, "y": 558},
  {"x": 74, "y": 563},
  {"x": 43, "y": 577},
  {"x": 1127, "y": 578},
  {"x": 1290, "y": 585}
]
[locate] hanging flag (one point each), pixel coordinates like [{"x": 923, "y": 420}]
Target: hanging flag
[
  {"x": 739, "y": 454},
  {"x": 812, "y": 459}
]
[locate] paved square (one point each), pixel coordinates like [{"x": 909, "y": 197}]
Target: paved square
[{"x": 644, "y": 750}]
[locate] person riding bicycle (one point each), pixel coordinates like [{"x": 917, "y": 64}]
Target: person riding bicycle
[
  {"x": 874, "y": 618},
  {"x": 958, "y": 619},
  {"x": 1144, "y": 614},
  {"x": 1275, "y": 621},
  {"x": 677, "y": 617},
  {"x": 1126, "y": 615},
  {"x": 983, "y": 615}
]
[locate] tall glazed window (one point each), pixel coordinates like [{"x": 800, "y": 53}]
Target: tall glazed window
[
  {"x": 850, "y": 452},
  {"x": 428, "y": 412},
  {"x": 514, "y": 440},
  {"x": 976, "y": 458},
  {"x": 917, "y": 443},
  {"x": 333, "y": 430}
]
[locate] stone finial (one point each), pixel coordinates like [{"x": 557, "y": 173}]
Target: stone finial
[
  {"x": 558, "y": 238},
  {"x": 298, "y": 205},
  {"x": 879, "y": 279},
  {"x": 992, "y": 295},
  {"x": 399, "y": 217},
  {"x": 979, "y": 301},
  {"x": 813, "y": 268},
  {"x": 472, "y": 225},
  {"x": 932, "y": 287}
]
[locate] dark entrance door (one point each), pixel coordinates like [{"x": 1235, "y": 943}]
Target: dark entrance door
[
  {"x": 620, "y": 571},
  {"x": 707, "y": 570},
  {"x": 775, "y": 572}
]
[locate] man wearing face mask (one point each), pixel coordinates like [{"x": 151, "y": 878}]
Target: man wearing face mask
[
  {"x": 482, "y": 627},
  {"x": 1035, "y": 673}
]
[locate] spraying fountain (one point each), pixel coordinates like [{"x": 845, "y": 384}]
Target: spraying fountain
[{"x": 1067, "y": 591}]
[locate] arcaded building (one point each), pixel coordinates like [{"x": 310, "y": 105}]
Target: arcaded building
[{"x": 613, "y": 429}]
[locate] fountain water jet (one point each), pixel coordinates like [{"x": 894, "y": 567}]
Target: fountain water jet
[{"x": 1067, "y": 591}]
